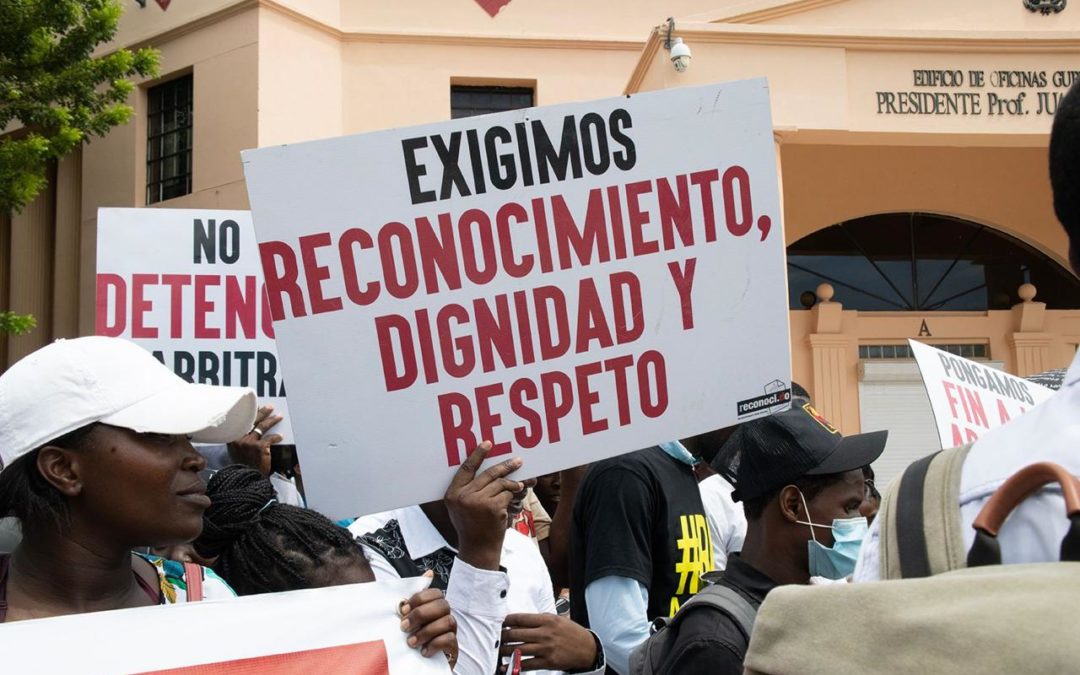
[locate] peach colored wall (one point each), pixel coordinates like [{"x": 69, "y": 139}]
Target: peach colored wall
[
  {"x": 374, "y": 72},
  {"x": 821, "y": 84},
  {"x": 224, "y": 59},
  {"x": 1006, "y": 188},
  {"x": 138, "y": 25},
  {"x": 300, "y": 81},
  {"x": 625, "y": 19},
  {"x": 931, "y": 15}
]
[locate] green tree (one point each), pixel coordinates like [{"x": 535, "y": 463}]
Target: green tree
[{"x": 55, "y": 93}]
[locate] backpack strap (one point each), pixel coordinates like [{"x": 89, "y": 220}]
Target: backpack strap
[
  {"x": 921, "y": 531},
  {"x": 193, "y": 576},
  {"x": 647, "y": 657}
]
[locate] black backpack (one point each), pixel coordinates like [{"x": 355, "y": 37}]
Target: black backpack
[{"x": 649, "y": 656}]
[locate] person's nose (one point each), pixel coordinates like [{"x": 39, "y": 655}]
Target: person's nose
[{"x": 192, "y": 461}]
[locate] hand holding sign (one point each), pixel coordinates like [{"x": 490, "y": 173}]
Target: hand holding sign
[
  {"x": 427, "y": 620},
  {"x": 548, "y": 642},
  {"x": 253, "y": 448},
  {"x": 478, "y": 504}
]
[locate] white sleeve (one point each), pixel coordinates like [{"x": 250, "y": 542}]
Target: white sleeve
[
  {"x": 727, "y": 522},
  {"x": 618, "y": 614},
  {"x": 868, "y": 566},
  {"x": 478, "y": 602}
]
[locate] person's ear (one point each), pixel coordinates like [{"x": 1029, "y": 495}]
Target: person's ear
[
  {"x": 791, "y": 504},
  {"x": 60, "y": 467}
]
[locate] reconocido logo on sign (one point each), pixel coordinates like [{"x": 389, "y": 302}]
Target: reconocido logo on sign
[{"x": 764, "y": 402}]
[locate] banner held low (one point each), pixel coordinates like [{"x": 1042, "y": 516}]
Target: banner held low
[
  {"x": 352, "y": 629},
  {"x": 570, "y": 282}
]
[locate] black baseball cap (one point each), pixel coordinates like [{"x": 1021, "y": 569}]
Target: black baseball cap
[{"x": 766, "y": 454}]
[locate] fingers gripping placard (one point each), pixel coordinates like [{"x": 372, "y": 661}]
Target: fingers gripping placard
[{"x": 568, "y": 282}]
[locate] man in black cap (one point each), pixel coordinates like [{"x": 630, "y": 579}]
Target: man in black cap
[{"x": 801, "y": 484}]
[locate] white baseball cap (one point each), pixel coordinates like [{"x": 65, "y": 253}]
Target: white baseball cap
[{"x": 71, "y": 383}]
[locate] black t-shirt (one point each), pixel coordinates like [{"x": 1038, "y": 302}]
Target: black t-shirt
[
  {"x": 640, "y": 516},
  {"x": 709, "y": 642}
]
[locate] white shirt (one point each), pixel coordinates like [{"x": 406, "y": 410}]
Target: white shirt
[
  {"x": 525, "y": 587},
  {"x": 726, "y": 518},
  {"x": 286, "y": 490},
  {"x": 1049, "y": 432}
]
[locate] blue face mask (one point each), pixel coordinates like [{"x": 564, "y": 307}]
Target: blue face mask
[{"x": 837, "y": 562}]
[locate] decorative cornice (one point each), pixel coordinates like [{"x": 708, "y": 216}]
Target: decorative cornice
[
  {"x": 761, "y": 10},
  {"x": 648, "y": 52},
  {"x": 883, "y": 40},
  {"x": 195, "y": 24},
  {"x": 478, "y": 40},
  {"x": 395, "y": 37},
  {"x": 861, "y": 40}
]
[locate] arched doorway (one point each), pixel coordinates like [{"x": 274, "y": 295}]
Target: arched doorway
[
  {"x": 944, "y": 280},
  {"x": 923, "y": 262}
]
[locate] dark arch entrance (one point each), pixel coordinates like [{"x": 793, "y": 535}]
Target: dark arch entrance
[{"x": 923, "y": 262}]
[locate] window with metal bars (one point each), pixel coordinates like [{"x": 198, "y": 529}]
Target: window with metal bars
[
  {"x": 903, "y": 351},
  {"x": 923, "y": 262},
  {"x": 169, "y": 140},
  {"x": 468, "y": 101}
]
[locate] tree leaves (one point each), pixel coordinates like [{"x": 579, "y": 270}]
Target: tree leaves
[{"x": 55, "y": 88}]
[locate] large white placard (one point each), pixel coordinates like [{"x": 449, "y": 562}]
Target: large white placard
[
  {"x": 187, "y": 285},
  {"x": 970, "y": 398},
  {"x": 353, "y": 629},
  {"x": 570, "y": 282}
]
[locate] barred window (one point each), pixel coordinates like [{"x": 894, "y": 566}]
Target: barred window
[
  {"x": 168, "y": 141},
  {"x": 903, "y": 351},
  {"x": 469, "y": 101}
]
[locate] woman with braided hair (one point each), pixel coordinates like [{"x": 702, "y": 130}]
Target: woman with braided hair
[
  {"x": 96, "y": 461},
  {"x": 265, "y": 547}
]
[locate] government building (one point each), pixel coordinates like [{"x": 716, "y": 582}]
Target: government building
[{"x": 911, "y": 140}]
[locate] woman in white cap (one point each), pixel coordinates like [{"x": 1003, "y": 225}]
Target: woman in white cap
[{"x": 95, "y": 461}]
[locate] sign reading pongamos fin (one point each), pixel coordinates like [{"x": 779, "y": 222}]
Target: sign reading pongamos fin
[
  {"x": 970, "y": 398},
  {"x": 187, "y": 285},
  {"x": 569, "y": 282}
]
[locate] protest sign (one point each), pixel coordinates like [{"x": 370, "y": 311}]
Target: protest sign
[
  {"x": 970, "y": 398},
  {"x": 343, "y": 629},
  {"x": 570, "y": 282},
  {"x": 187, "y": 285}
]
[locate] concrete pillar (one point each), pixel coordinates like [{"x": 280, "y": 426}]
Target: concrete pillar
[
  {"x": 1031, "y": 347},
  {"x": 5, "y": 280},
  {"x": 32, "y": 272},
  {"x": 831, "y": 354},
  {"x": 65, "y": 291}
]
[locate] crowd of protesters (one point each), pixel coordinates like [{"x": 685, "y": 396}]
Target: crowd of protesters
[{"x": 130, "y": 487}]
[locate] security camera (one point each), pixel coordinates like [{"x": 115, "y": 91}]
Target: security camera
[{"x": 680, "y": 55}]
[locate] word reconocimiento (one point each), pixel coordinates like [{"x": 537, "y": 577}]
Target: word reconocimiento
[{"x": 474, "y": 246}]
